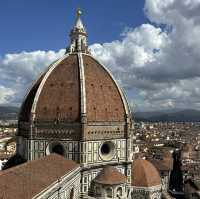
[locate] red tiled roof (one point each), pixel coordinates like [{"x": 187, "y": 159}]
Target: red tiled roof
[
  {"x": 163, "y": 165},
  {"x": 110, "y": 176},
  {"x": 144, "y": 174},
  {"x": 57, "y": 95},
  {"x": 29, "y": 179},
  {"x": 104, "y": 102}
]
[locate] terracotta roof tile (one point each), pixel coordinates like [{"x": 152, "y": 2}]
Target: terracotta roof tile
[
  {"x": 110, "y": 176},
  {"x": 29, "y": 179},
  {"x": 59, "y": 98},
  {"x": 56, "y": 97},
  {"x": 104, "y": 102},
  {"x": 162, "y": 165},
  {"x": 144, "y": 174}
]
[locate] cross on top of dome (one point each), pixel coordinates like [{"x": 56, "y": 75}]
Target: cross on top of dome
[{"x": 78, "y": 12}]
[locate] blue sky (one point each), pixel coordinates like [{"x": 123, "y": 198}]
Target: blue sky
[
  {"x": 159, "y": 69},
  {"x": 44, "y": 24}
]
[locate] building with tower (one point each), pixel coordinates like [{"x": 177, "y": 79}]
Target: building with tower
[{"x": 77, "y": 110}]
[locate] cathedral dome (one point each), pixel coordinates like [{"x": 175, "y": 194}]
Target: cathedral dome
[
  {"x": 75, "y": 82},
  {"x": 144, "y": 174},
  {"x": 74, "y": 90}
]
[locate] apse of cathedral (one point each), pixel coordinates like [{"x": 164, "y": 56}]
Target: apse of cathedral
[{"x": 75, "y": 134}]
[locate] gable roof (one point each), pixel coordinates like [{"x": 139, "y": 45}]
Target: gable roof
[{"x": 29, "y": 179}]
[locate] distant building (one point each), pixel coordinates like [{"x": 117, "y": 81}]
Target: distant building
[
  {"x": 146, "y": 181},
  {"x": 192, "y": 189}
]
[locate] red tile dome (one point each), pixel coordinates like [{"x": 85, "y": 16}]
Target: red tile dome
[
  {"x": 56, "y": 95},
  {"x": 77, "y": 85},
  {"x": 109, "y": 175},
  {"x": 75, "y": 97},
  {"x": 144, "y": 174}
]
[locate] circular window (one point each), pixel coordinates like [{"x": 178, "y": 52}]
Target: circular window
[
  {"x": 56, "y": 147},
  {"x": 107, "y": 150}
]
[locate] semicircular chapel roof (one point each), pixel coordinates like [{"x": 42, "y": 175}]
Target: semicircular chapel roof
[
  {"x": 110, "y": 176},
  {"x": 144, "y": 174}
]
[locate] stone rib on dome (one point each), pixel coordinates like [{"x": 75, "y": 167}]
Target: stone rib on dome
[
  {"x": 144, "y": 174},
  {"x": 25, "y": 111},
  {"x": 27, "y": 104}
]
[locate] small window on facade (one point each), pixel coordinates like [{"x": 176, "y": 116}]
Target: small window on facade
[
  {"x": 119, "y": 191},
  {"x": 59, "y": 149},
  {"x": 109, "y": 192},
  {"x": 71, "y": 193},
  {"x": 85, "y": 189},
  {"x": 85, "y": 179},
  {"x": 98, "y": 192}
]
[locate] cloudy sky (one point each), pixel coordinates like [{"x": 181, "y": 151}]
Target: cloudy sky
[{"x": 151, "y": 46}]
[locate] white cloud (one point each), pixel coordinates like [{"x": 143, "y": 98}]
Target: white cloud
[
  {"x": 5, "y": 94},
  {"x": 157, "y": 63},
  {"x": 136, "y": 49},
  {"x": 160, "y": 65},
  {"x": 17, "y": 71}
]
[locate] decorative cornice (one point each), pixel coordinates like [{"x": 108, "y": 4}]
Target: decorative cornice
[{"x": 153, "y": 188}]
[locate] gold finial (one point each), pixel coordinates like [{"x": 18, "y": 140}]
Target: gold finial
[{"x": 78, "y": 12}]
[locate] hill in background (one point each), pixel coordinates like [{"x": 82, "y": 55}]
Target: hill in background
[
  {"x": 8, "y": 112},
  {"x": 167, "y": 116},
  {"x": 11, "y": 113}
]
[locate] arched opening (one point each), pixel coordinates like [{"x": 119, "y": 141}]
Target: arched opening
[
  {"x": 119, "y": 191},
  {"x": 82, "y": 45},
  {"x": 55, "y": 147},
  {"x": 109, "y": 192},
  {"x": 107, "y": 150},
  {"x": 98, "y": 191},
  {"x": 71, "y": 195},
  {"x": 76, "y": 44},
  {"x": 58, "y": 148}
]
